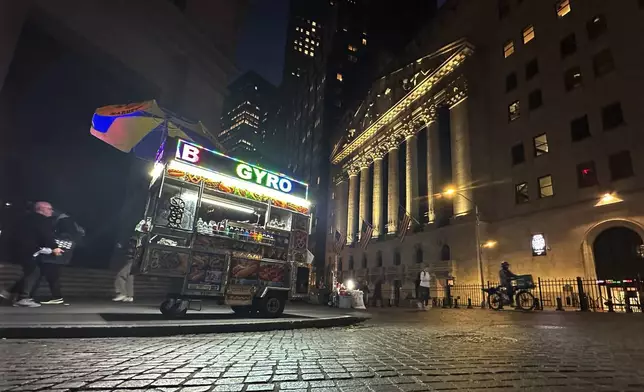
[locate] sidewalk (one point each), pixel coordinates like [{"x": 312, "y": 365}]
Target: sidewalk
[{"x": 83, "y": 318}]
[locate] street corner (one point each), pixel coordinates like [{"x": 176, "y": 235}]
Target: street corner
[{"x": 96, "y": 320}]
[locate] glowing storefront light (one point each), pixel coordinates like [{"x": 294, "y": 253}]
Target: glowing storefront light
[{"x": 538, "y": 243}]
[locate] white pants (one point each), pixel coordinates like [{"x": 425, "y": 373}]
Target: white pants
[{"x": 124, "y": 283}]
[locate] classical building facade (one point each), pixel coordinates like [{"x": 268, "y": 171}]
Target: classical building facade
[{"x": 528, "y": 112}]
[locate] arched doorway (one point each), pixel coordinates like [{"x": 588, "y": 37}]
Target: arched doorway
[{"x": 617, "y": 254}]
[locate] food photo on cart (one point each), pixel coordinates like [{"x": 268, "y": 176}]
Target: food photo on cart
[{"x": 223, "y": 229}]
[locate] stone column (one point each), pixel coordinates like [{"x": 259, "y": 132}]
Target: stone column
[
  {"x": 411, "y": 166},
  {"x": 393, "y": 201},
  {"x": 351, "y": 206},
  {"x": 377, "y": 217},
  {"x": 433, "y": 162},
  {"x": 341, "y": 206},
  {"x": 364, "y": 196},
  {"x": 461, "y": 169}
]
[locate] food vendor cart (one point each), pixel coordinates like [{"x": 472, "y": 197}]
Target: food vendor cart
[{"x": 226, "y": 230}]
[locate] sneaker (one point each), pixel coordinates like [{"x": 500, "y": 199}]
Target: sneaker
[
  {"x": 4, "y": 294},
  {"x": 27, "y": 303},
  {"x": 128, "y": 299},
  {"x": 119, "y": 298},
  {"x": 55, "y": 301}
]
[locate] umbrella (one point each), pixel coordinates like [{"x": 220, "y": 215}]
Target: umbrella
[{"x": 143, "y": 127}]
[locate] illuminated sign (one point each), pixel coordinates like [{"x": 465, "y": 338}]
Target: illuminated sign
[
  {"x": 231, "y": 167},
  {"x": 538, "y": 243}
]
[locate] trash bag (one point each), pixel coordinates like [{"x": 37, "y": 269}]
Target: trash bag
[{"x": 358, "y": 299}]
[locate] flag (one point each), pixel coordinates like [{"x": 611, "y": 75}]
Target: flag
[
  {"x": 404, "y": 225},
  {"x": 365, "y": 234},
  {"x": 339, "y": 241}
]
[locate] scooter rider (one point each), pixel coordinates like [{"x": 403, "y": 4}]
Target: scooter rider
[{"x": 505, "y": 279}]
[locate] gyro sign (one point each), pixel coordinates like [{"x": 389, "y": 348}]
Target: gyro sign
[{"x": 231, "y": 167}]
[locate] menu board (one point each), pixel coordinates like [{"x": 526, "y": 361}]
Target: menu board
[
  {"x": 207, "y": 272},
  {"x": 273, "y": 274},
  {"x": 244, "y": 271}
]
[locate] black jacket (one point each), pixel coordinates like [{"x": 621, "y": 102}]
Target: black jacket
[{"x": 37, "y": 231}]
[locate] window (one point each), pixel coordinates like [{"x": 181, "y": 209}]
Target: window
[
  {"x": 563, "y": 8},
  {"x": 612, "y": 116},
  {"x": 545, "y": 186},
  {"x": 596, "y": 27},
  {"x": 353, "y": 58},
  {"x": 508, "y": 49},
  {"x": 511, "y": 82},
  {"x": 514, "y": 111},
  {"x": 579, "y": 129},
  {"x": 603, "y": 63},
  {"x": 572, "y": 78},
  {"x": 568, "y": 45},
  {"x": 504, "y": 8},
  {"x": 620, "y": 165},
  {"x": 521, "y": 194},
  {"x": 531, "y": 69},
  {"x": 364, "y": 41},
  {"x": 339, "y": 76},
  {"x": 518, "y": 154},
  {"x": 352, "y": 48},
  {"x": 586, "y": 174},
  {"x": 540, "y": 145},
  {"x": 535, "y": 100},
  {"x": 528, "y": 34}
]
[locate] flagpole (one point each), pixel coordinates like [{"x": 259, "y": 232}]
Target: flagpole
[{"x": 410, "y": 215}]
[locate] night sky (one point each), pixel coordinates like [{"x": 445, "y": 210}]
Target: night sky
[{"x": 262, "y": 41}]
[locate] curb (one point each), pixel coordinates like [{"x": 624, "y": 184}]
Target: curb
[{"x": 119, "y": 331}]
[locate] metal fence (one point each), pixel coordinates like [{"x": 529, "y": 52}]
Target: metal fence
[{"x": 557, "y": 294}]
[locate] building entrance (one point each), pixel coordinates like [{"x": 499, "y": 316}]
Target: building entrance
[{"x": 618, "y": 255}]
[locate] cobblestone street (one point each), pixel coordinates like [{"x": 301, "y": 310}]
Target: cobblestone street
[{"x": 396, "y": 351}]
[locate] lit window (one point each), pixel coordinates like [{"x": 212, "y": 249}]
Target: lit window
[
  {"x": 508, "y": 49},
  {"x": 339, "y": 76},
  {"x": 300, "y": 49},
  {"x": 563, "y": 8},
  {"x": 308, "y": 32},
  {"x": 306, "y": 51},
  {"x": 311, "y": 54},
  {"x": 514, "y": 111},
  {"x": 540, "y": 145},
  {"x": 353, "y": 48},
  {"x": 528, "y": 34},
  {"x": 313, "y": 29},
  {"x": 364, "y": 41},
  {"x": 545, "y": 186},
  {"x": 313, "y": 23},
  {"x": 307, "y": 40},
  {"x": 521, "y": 194},
  {"x": 586, "y": 175},
  {"x": 317, "y": 43}
]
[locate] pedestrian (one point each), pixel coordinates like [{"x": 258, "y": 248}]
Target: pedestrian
[
  {"x": 423, "y": 289},
  {"x": 365, "y": 292},
  {"x": 392, "y": 293},
  {"x": 36, "y": 232},
  {"x": 124, "y": 282},
  {"x": 377, "y": 294}
]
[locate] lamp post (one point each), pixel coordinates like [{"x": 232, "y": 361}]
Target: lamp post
[{"x": 479, "y": 259}]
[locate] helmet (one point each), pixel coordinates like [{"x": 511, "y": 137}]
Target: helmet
[{"x": 505, "y": 264}]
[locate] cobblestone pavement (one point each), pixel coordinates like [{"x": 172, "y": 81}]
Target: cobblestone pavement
[{"x": 472, "y": 350}]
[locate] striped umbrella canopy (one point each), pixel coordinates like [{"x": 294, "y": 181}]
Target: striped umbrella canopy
[{"x": 142, "y": 128}]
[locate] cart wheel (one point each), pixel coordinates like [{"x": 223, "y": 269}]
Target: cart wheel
[
  {"x": 242, "y": 310},
  {"x": 494, "y": 300},
  {"x": 174, "y": 307},
  {"x": 525, "y": 301},
  {"x": 272, "y": 306}
]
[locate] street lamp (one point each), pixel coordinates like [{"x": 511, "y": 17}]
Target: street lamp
[{"x": 450, "y": 192}]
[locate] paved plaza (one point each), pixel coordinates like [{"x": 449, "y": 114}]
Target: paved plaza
[{"x": 398, "y": 350}]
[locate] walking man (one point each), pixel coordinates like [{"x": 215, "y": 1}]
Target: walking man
[
  {"x": 37, "y": 232},
  {"x": 423, "y": 289}
]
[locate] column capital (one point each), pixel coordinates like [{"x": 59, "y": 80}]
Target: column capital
[
  {"x": 391, "y": 143},
  {"x": 408, "y": 130},
  {"x": 363, "y": 163},
  {"x": 353, "y": 171},
  {"x": 378, "y": 153}
]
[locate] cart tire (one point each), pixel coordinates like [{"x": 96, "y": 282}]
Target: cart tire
[
  {"x": 272, "y": 306},
  {"x": 525, "y": 301},
  {"x": 174, "y": 308},
  {"x": 245, "y": 310},
  {"x": 494, "y": 300}
]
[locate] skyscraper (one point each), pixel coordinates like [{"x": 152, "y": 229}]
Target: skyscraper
[{"x": 245, "y": 119}]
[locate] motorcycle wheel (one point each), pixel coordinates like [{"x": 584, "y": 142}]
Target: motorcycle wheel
[
  {"x": 525, "y": 301},
  {"x": 494, "y": 300}
]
